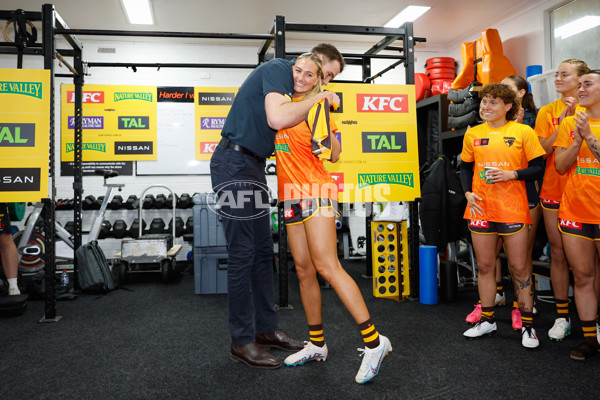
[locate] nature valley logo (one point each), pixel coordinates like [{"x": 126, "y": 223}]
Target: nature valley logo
[
  {"x": 133, "y": 96},
  {"x": 587, "y": 171},
  {"x": 404, "y": 179},
  {"x": 282, "y": 147},
  {"x": 101, "y": 147},
  {"x": 33, "y": 89}
]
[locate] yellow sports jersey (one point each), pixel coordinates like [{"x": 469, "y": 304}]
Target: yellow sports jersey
[
  {"x": 509, "y": 147},
  {"x": 545, "y": 125},
  {"x": 581, "y": 197},
  {"x": 300, "y": 173}
]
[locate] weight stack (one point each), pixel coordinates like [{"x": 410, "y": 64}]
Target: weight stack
[{"x": 390, "y": 260}]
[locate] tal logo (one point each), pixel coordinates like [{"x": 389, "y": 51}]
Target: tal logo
[
  {"x": 386, "y": 103},
  {"x": 384, "y": 142},
  {"x": 134, "y": 122}
]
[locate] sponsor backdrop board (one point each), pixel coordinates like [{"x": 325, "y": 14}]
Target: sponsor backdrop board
[
  {"x": 175, "y": 136},
  {"x": 24, "y": 134},
  {"x": 119, "y": 123},
  {"x": 377, "y": 128}
]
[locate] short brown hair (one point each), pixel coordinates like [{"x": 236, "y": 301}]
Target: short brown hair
[
  {"x": 505, "y": 93},
  {"x": 330, "y": 53}
]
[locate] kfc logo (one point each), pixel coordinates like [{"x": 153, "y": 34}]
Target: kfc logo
[
  {"x": 87, "y": 97},
  {"x": 382, "y": 103},
  {"x": 479, "y": 224},
  {"x": 207, "y": 147},
  {"x": 288, "y": 213},
  {"x": 565, "y": 223}
]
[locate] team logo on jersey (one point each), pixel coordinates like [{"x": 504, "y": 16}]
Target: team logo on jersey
[
  {"x": 572, "y": 134},
  {"x": 509, "y": 141},
  {"x": 481, "y": 142},
  {"x": 555, "y": 121}
]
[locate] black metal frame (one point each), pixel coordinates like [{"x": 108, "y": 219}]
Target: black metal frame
[{"x": 54, "y": 25}]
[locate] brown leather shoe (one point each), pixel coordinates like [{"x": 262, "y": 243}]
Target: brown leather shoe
[
  {"x": 255, "y": 356},
  {"x": 280, "y": 340}
]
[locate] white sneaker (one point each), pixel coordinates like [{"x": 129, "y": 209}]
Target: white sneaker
[
  {"x": 529, "y": 338},
  {"x": 372, "y": 358},
  {"x": 480, "y": 329},
  {"x": 560, "y": 329},
  {"x": 310, "y": 352},
  {"x": 14, "y": 291},
  {"x": 500, "y": 300}
]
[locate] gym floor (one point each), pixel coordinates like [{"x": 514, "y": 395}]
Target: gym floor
[{"x": 157, "y": 341}]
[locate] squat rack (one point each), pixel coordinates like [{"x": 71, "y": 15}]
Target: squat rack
[{"x": 54, "y": 25}]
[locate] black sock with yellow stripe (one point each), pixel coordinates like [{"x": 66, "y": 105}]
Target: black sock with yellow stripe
[
  {"x": 527, "y": 318},
  {"x": 315, "y": 333},
  {"x": 562, "y": 308},
  {"x": 487, "y": 314},
  {"x": 589, "y": 332},
  {"x": 369, "y": 334},
  {"x": 500, "y": 288}
]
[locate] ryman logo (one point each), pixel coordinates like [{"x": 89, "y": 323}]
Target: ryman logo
[
  {"x": 17, "y": 135},
  {"x": 134, "y": 122},
  {"x": 387, "y": 103},
  {"x": 384, "y": 142},
  {"x": 87, "y": 123},
  {"x": 133, "y": 147},
  {"x": 87, "y": 97},
  {"x": 215, "y": 99},
  {"x": 282, "y": 147},
  {"x": 402, "y": 179},
  {"x": 211, "y": 123},
  {"x": 33, "y": 89},
  {"x": 20, "y": 179},
  {"x": 101, "y": 147},
  {"x": 143, "y": 96}
]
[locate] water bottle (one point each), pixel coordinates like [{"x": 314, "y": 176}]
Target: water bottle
[{"x": 64, "y": 279}]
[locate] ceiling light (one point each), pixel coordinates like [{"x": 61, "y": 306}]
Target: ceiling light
[
  {"x": 409, "y": 14},
  {"x": 138, "y": 11},
  {"x": 577, "y": 26}
]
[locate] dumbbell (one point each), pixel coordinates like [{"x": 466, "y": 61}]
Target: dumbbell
[
  {"x": 89, "y": 202},
  {"x": 148, "y": 202},
  {"x": 105, "y": 230},
  {"x": 189, "y": 225},
  {"x": 160, "y": 201},
  {"x": 132, "y": 202},
  {"x": 98, "y": 202},
  {"x": 70, "y": 227},
  {"x": 185, "y": 201},
  {"x": 119, "y": 229},
  {"x": 170, "y": 200},
  {"x": 116, "y": 202},
  {"x": 157, "y": 225},
  {"x": 134, "y": 229},
  {"x": 178, "y": 226},
  {"x": 60, "y": 204},
  {"x": 69, "y": 204}
]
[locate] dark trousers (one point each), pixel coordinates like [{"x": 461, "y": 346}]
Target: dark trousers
[{"x": 240, "y": 182}]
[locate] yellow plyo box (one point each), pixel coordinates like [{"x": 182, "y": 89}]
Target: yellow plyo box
[{"x": 390, "y": 260}]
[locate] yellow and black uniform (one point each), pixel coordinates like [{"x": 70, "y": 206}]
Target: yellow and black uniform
[
  {"x": 545, "y": 125},
  {"x": 578, "y": 214},
  {"x": 509, "y": 147},
  {"x": 302, "y": 181}
]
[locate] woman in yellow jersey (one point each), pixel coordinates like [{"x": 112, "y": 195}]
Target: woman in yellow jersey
[
  {"x": 577, "y": 149},
  {"x": 310, "y": 198},
  {"x": 548, "y": 119},
  {"x": 498, "y": 156}
]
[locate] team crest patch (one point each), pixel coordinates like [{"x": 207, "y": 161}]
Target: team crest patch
[{"x": 509, "y": 141}]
